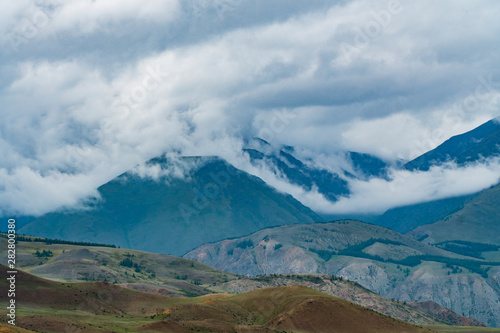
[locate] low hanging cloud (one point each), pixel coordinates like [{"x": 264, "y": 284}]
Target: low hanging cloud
[
  {"x": 47, "y": 192},
  {"x": 91, "y": 89},
  {"x": 406, "y": 187},
  {"x": 169, "y": 167}
]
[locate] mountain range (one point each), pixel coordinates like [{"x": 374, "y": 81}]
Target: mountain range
[
  {"x": 306, "y": 174},
  {"x": 103, "y": 307},
  {"x": 455, "y": 275},
  {"x": 161, "y": 284},
  {"x": 446, "y": 251},
  {"x": 471, "y": 147},
  {"x": 213, "y": 201}
]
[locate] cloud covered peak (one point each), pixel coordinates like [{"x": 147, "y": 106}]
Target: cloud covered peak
[{"x": 90, "y": 89}]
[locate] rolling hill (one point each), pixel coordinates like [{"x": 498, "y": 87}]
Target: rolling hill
[
  {"x": 158, "y": 273},
  {"x": 427, "y": 313},
  {"x": 175, "y": 214},
  {"x": 176, "y": 277},
  {"x": 309, "y": 248},
  {"x": 379, "y": 259},
  {"x": 50, "y": 306},
  {"x": 281, "y": 309}
]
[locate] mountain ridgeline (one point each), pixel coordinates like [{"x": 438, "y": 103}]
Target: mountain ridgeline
[
  {"x": 173, "y": 215},
  {"x": 212, "y": 201},
  {"x": 482, "y": 142},
  {"x": 465, "y": 149},
  {"x": 330, "y": 184}
]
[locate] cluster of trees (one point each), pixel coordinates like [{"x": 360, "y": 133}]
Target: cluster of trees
[
  {"x": 48, "y": 241},
  {"x": 406, "y": 270},
  {"x": 300, "y": 277},
  {"x": 43, "y": 254},
  {"x": 138, "y": 268},
  {"x": 454, "y": 269},
  {"x": 475, "y": 266},
  {"x": 355, "y": 250},
  {"x": 468, "y": 249},
  {"x": 127, "y": 262},
  {"x": 244, "y": 244},
  {"x": 323, "y": 254}
]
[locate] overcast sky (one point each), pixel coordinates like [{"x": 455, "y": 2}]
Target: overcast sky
[{"x": 89, "y": 89}]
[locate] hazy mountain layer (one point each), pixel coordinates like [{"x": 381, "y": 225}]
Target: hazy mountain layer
[{"x": 482, "y": 142}]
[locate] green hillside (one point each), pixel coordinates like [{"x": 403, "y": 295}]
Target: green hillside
[
  {"x": 478, "y": 221},
  {"x": 174, "y": 215},
  {"x": 320, "y": 245},
  {"x": 406, "y": 218},
  {"x": 158, "y": 273}
]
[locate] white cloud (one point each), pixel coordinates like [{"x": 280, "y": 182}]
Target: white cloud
[
  {"x": 406, "y": 188},
  {"x": 171, "y": 167},
  {"x": 83, "y": 16},
  {"x": 104, "y": 85},
  {"x": 27, "y": 192},
  {"x": 406, "y": 135},
  {"x": 25, "y": 20}
]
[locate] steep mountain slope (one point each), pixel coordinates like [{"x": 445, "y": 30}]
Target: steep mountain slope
[
  {"x": 406, "y": 218},
  {"x": 302, "y": 173},
  {"x": 477, "y": 221},
  {"x": 173, "y": 215},
  {"x": 20, "y": 221},
  {"x": 482, "y": 142},
  {"x": 379, "y": 259}
]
